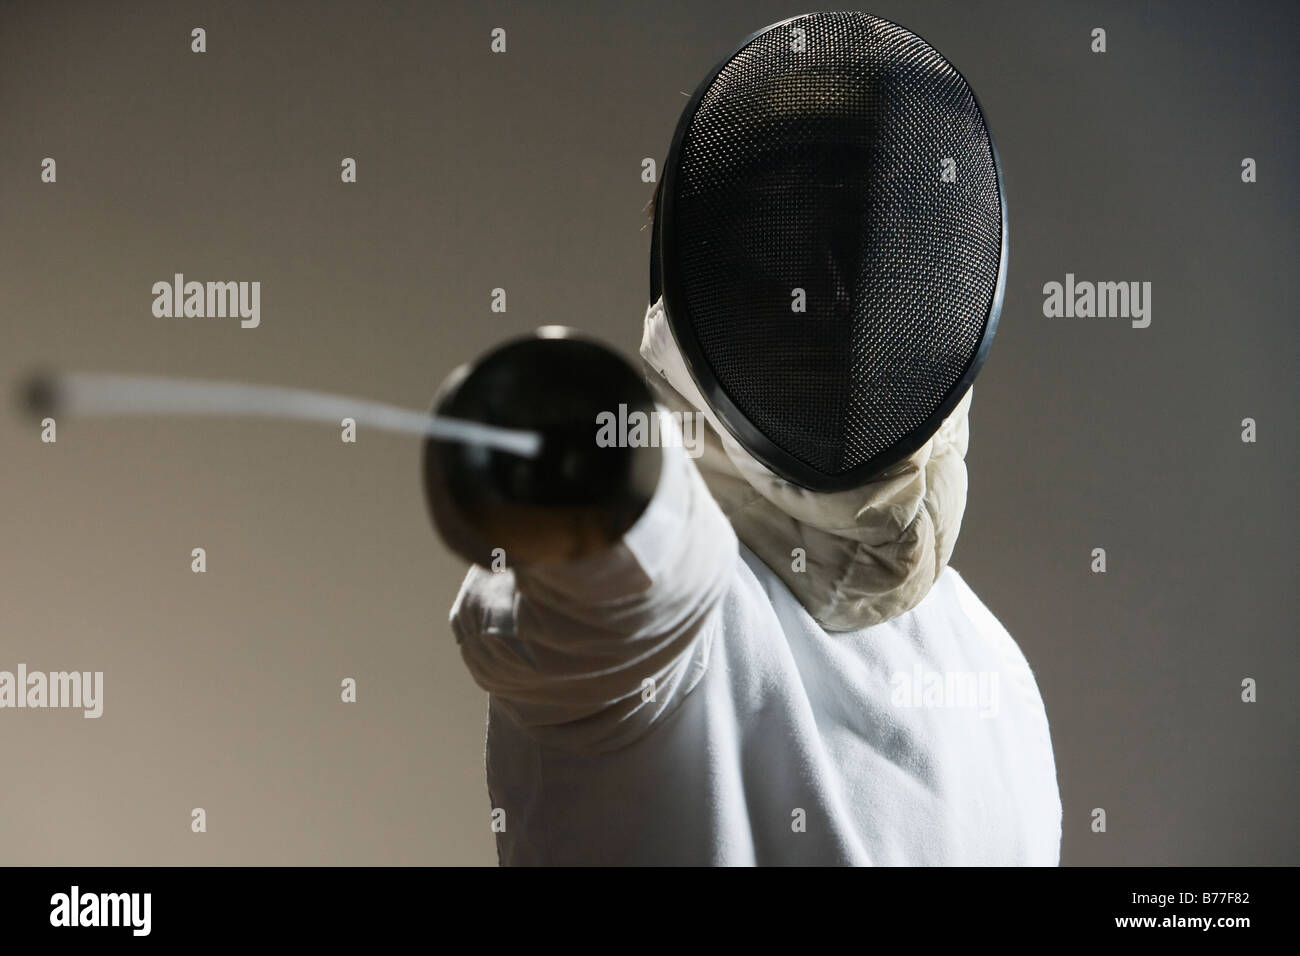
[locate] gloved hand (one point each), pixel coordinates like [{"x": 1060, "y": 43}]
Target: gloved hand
[{"x": 575, "y": 498}]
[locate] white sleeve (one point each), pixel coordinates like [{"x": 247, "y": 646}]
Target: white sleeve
[{"x": 588, "y": 655}]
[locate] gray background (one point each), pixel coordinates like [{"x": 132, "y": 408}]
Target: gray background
[{"x": 522, "y": 171}]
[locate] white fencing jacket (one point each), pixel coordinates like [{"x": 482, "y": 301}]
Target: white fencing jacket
[{"x": 758, "y": 674}]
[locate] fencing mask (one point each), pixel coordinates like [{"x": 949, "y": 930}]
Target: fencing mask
[{"x": 830, "y": 244}]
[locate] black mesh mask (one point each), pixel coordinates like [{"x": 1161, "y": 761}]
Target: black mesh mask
[{"x": 830, "y": 244}]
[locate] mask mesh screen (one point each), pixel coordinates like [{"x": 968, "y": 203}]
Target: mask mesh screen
[{"x": 816, "y": 161}]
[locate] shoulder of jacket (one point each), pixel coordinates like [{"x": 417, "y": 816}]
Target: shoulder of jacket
[
  {"x": 969, "y": 601},
  {"x": 986, "y": 621}
]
